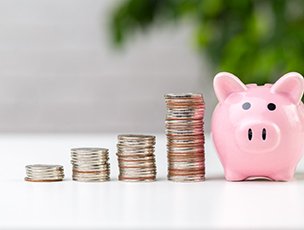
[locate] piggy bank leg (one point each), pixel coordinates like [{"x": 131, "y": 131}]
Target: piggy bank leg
[
  {"x": 234, "y": 176},
  {"x": 285, "y": 175}
]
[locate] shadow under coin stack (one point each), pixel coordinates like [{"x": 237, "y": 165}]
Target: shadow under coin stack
[
  {"x": 136, "y": 157},
  {"x": 185, "y": 137},
  {"x": 90, "y": 164},
  {"x": 44, "y": 173}
]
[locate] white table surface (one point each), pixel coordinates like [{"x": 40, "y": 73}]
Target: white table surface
[{"x": 212, "y": 204}]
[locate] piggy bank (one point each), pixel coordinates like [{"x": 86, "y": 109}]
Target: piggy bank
[{"x": 258, "y": 131}]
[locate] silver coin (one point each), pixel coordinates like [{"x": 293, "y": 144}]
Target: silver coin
[
  {"x": 86, "y": 174},
  {"x": 90, "y": 164},
  {"x": 89, "y": 149},
  {"x": 184, "y": 132},
  {"x": 187, "y": 164},
  {"x": 43, "y": 166},
  {"x": 138, "y": 170},
  {"x": 186, "y": 178},
  {"x": 183, "y": 95},
  {"x": 137, "y": 174},
  {"x": 136, "y": 157},
  {"x": 90, "y": 168},
  {"x": 137, "y": 179},
  {"x": 135, "y": 147},
  {"x": 28, "y": 172},
  {"x": 185, "y": 137},
  {"x": 45, "y": 176},
  {"x": 84, "y": 155},
  {"x": 135, "y": 152},
  {"x": 136, "y": 164},
  {"x": 193, "y": 142},
  {"x": 135, "y": 137},
  {"x": 137, "y": 140},
  {"x": 44, "y": 172},
  {"x": 185, "y": 117},
  {"x": 90, "y": 159},
  {"x": 82, "y": 178}
]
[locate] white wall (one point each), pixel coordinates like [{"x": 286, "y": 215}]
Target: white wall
[{"x": 59, "y": 73}]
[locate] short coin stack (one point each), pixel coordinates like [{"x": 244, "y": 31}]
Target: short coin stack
[
  {"x": 185, "y": 137},
  {"x": 44, "y": 173},
  {"x": 136, "y": 157},
  {"x": 90, "y": 164}
]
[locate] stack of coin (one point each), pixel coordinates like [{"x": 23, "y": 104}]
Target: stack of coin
[
  {"x": 136, "y": 157},
  {"x": 44, "y": 173},
  {"x": 185, "y": 137},
  {"x": 90, "y": 164}
]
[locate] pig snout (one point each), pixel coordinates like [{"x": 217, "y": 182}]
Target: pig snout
[{"x": 258, "y": 137}]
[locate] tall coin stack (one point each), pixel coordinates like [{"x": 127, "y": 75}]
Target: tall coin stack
[
  {"x": 185, "y": 137},
  {"x": 44, "y": 173},
  {"x": 90, "y": 164},
  {"x": 136, "y": 157}
]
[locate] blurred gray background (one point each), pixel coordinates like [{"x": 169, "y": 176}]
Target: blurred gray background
[{"x": 59, "y": 71}]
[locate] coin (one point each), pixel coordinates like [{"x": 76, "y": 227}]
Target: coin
[
  {"x": 44, "y": 173},
  {"x": 136, "y": 159},
  {"x": 90, "y": 164},
  {"x": 185, "y": 136}
]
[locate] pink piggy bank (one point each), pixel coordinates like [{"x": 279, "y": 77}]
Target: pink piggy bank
[{"x": 258, "y": 131}]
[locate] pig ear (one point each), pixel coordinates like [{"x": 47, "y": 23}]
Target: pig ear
[
  {"x": 225, "y": 84},
  {"x": 291, "y": 85}
]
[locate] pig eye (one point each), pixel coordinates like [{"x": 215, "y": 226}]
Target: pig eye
[
  {"x": 246, "y": 106},
  {"x": 271, "y": 106}
]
